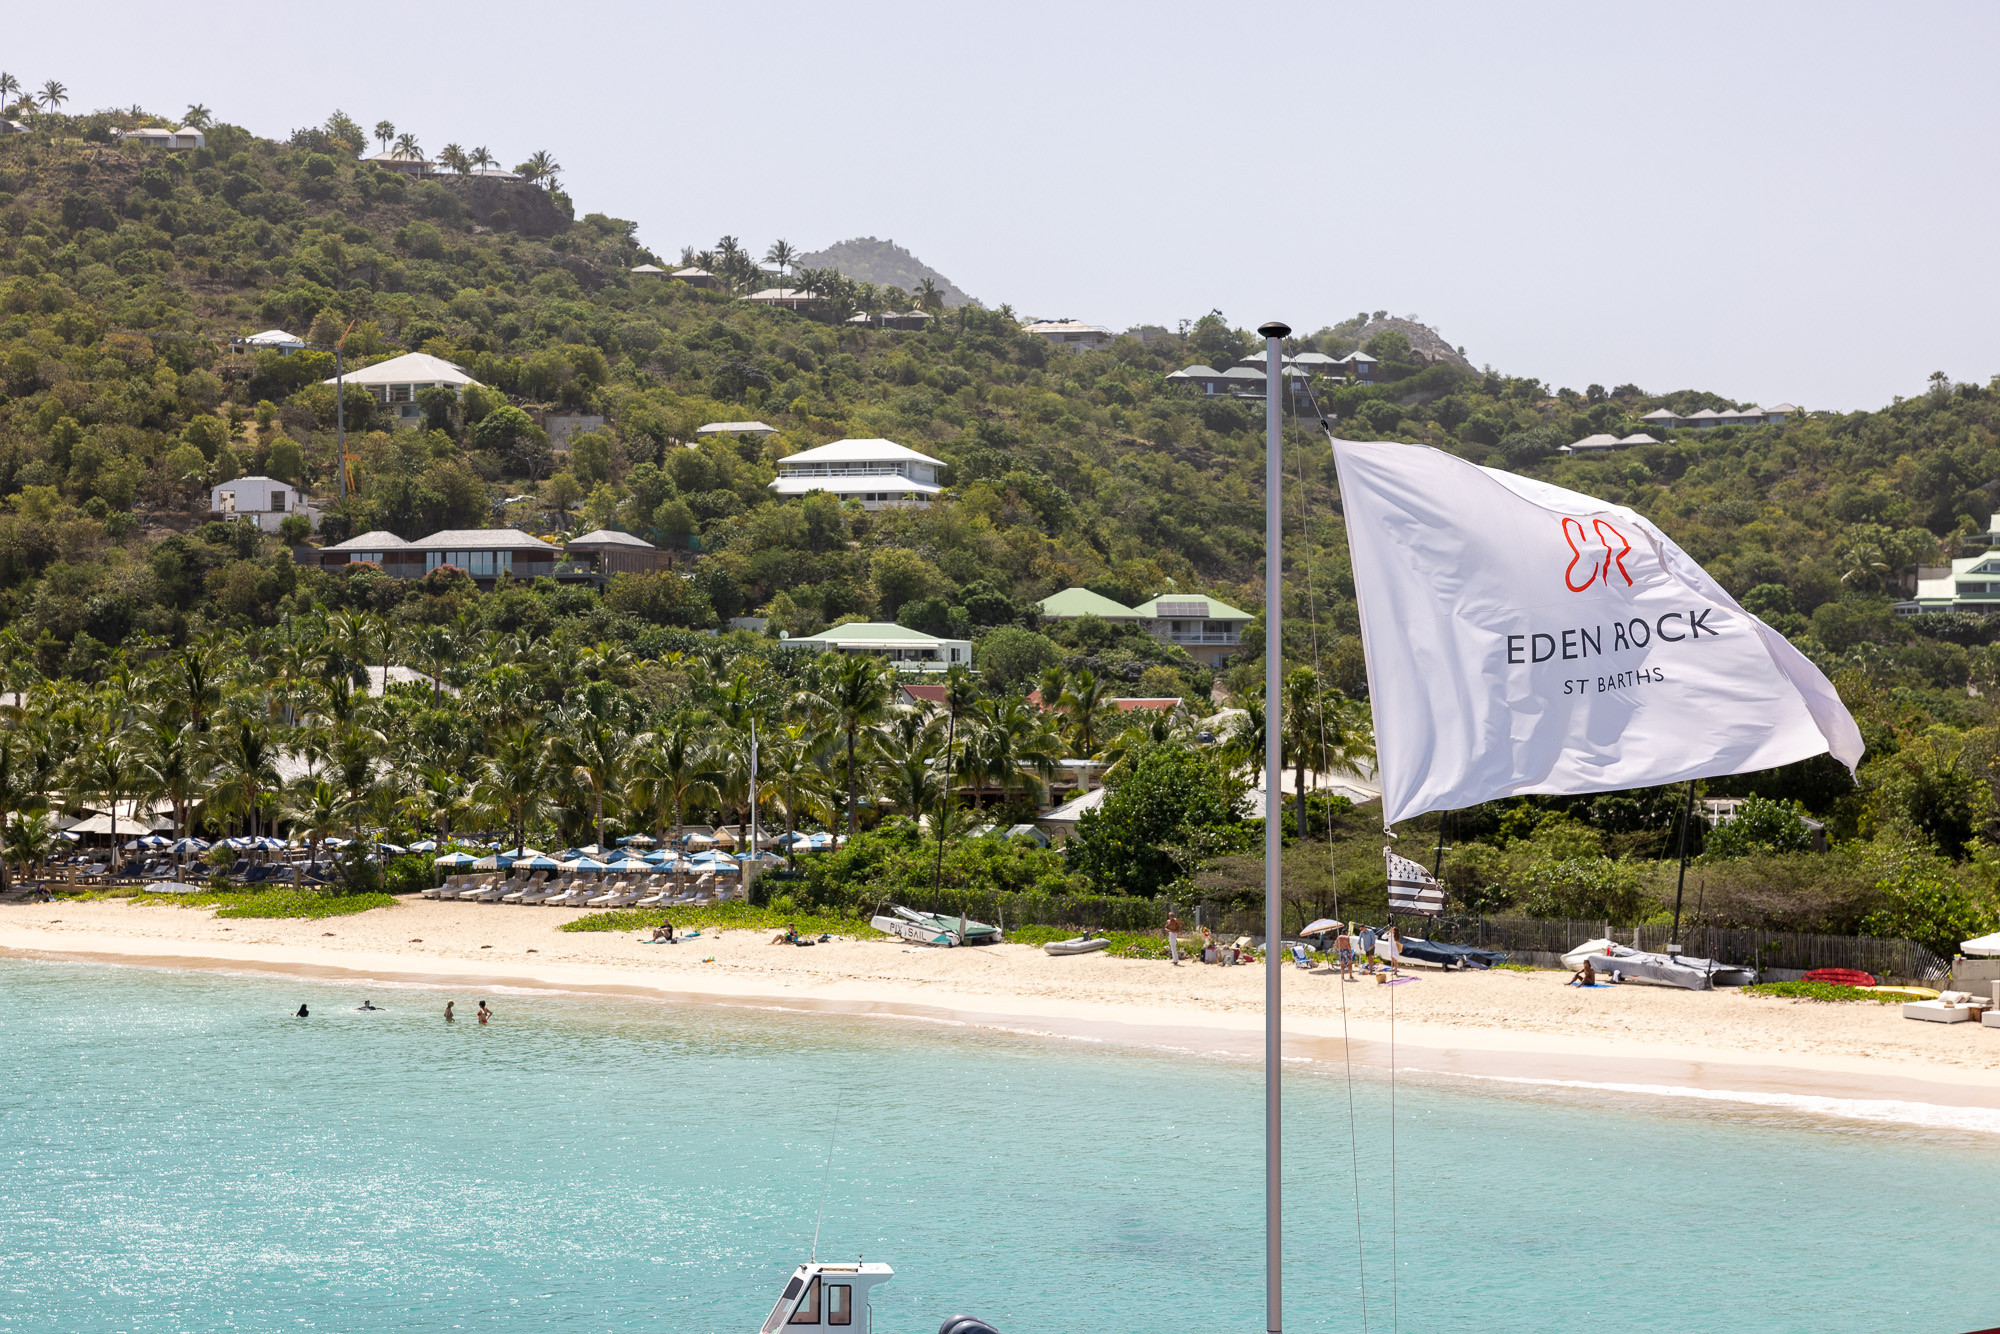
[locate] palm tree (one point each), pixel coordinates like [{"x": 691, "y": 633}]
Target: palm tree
[
  {"x": 513, "y": 782},
  {"x": 1246, "y": 739},
  {"x": 793, "y": 776},
  {"x": 247, "y": 770},
  {"x": 9, "y": 87},
  {"x": 107, "y": 770},
  {"x": 782, "y": 255},
  {"x": 540, "y": 166},
  {"x": 1303, "y": 723},
  {"x": 384, "y": 132},
  {"x": 177, "y": 767},
  {"x": 929, "y": 298},
  {"x": 317, "y": 808},
  {"x": 197, "y": 117},
  {"x": 20, "y": 794},
  {"x": 407, "y": 146},
  {"x": 1014, "y": 750},
  {"x": 31, "y": 840},
  {"x": 857, "y": 697},
  {"x": 53, "y": 95},
  {"x": 913, "y": 773},
  {"x": 455, "y": 157},
  {"x": 674, "y": 766},
  {"x": 481, "y": 159},
  {"x": 1088, "y": 714},
  {"x": 961, "y": 693},
  {"x": 595, "y": 754}
]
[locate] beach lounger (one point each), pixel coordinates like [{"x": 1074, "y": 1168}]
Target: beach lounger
[
  {"x": 613, "y": 897},
  {"x": 522, "y": 890},
  {"x": 573, "y": 897},
  {"x": 546, "y": 890}
]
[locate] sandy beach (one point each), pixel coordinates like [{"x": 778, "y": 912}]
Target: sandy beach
[{"x": 1497, "y": 1024}]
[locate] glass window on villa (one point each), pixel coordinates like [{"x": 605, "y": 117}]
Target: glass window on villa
[
  {"x": 400, "y": 393},
  {"x": 839, "y": 1304},
  {"x": 808, "y": 1312}
]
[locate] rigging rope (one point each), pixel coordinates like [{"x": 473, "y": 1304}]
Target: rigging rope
[
  {"x": 826, "y": 1178},
  {"x": 1333, "y": 870}
]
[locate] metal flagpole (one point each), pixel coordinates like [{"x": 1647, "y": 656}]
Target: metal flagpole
[
  {"x": 1687, "y": 818},
  {"x": 1274, "y": 388},
  {"x": 340, "y": 412}
]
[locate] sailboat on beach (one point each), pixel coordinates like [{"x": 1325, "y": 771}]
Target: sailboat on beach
[{"x": 1520, "y": 639}]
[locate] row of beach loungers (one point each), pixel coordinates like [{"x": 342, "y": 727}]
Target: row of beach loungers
[{"x": 578, "y": 891}]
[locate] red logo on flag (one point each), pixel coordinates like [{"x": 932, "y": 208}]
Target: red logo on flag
[{"x": 1591, "y": 559}]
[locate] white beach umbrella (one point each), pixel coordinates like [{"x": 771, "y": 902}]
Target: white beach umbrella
[
  {"x": 583, "y": 864},
  {"x": 454, "y": 859}
]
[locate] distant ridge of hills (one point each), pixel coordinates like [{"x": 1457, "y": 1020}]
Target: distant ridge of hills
[{"x": 884, "y": 263}]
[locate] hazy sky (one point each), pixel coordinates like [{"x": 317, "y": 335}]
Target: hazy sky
[{"x": 1775, "y": 202}]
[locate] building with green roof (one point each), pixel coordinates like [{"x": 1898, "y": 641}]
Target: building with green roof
[
  {"x": 1208, "y": 628},
  {"x": 1073, "y": 603},
  {"x": 904, "y": 649}
]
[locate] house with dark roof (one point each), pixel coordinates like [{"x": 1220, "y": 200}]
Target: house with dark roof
[
  {"x": 484, "y": 553},
  {"x": 618, "y": 553}
]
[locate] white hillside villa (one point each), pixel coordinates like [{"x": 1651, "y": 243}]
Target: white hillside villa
[
  {"x": 1972, "y": 583},
  {"x": 902, "y": 648},
  {"x": 396, "y": 382},
  {"x": 264, "y": 500},
  {"x": 877, "y": 473},
  {"x": 1074, "y": 335}
]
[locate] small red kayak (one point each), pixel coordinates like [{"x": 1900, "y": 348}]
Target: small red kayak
[{"x": 1842, "y": 977}]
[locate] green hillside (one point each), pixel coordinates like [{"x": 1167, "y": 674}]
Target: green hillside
[{"x": 124, "y": 271}]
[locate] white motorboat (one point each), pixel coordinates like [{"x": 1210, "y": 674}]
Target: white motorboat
[{"x": 819, "y": 1295}]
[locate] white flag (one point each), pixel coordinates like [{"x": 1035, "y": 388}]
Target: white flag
[
  {"x": 1525, "y": 638},
  {"x": 1412, "y": 889}
]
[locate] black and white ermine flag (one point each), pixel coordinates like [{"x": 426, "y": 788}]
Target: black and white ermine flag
[
  {"x": 1411, "y": 888},
  {"x": 1525, "y": 638}
]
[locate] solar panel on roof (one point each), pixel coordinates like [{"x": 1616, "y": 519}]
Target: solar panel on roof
[{"x": 1197, "y": 608}]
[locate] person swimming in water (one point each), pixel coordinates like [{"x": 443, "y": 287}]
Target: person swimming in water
[
  {"x": 367, "y": 1004},
  {"x": 484, "y": 1013},
  {"x": 303, "y": 1013},
  {"x": 447, "y": 1011}
]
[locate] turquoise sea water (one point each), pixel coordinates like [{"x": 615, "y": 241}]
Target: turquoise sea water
[{"x": 177, "y": 1153}]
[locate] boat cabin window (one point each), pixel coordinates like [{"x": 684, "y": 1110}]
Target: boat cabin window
[
  {"x": 808, "y": 1312},
  {"x": 839, "y": 1304}
]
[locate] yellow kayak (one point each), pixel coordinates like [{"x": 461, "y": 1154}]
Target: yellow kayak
[{"x": 1908, "y": 993}]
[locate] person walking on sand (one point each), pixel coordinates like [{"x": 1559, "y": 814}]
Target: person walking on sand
[
  {"x": 1174, "y": 929},
  {"x": 484, "y": 1013},
  {"x": 447, "y": 1011},
  {"x": 1343, "y": 949}
]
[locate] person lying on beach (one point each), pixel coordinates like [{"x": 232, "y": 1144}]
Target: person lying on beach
[
  {"x": 789, "y": 936},
  {"x": 664, "y": 931},
  {"x": 1585, "y": 976}
]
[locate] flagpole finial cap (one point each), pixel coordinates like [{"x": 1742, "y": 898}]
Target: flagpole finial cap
[{"x": 1275, "y": 329}]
